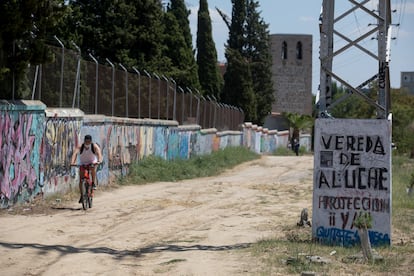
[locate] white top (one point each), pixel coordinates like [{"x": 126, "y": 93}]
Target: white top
[{"x": 87, "y": 156}]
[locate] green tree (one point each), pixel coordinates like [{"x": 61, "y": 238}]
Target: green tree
[
  {"x": 125, "y": 31},
  {"x": 24, "y": 28},
  {"x": 298, "y": 122},
  {"x": 238, "y": 88},
  {"x": 350, "y": 105},
  {"x": 238, "y": 83},
  {"x": 179, "y": 10},
  {"x": 209, "y": 75},
  {"x": 258, "y": 52},
  {"x": 403, "y": 121},
  {"x": 179, "y": 46}
]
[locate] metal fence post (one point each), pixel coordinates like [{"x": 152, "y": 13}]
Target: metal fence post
[
  {"x": 167, "y": 93},
  {"x": 149, "y": 93},
  {"x": 182, "y": 104},
  {"x": 198, "y": 107},
  {"x": 96, "y": 81},
  {"x": 77, "y": 80},
  {"x": 126, "y": 90},
  {"x": 113, "y": 85},
  {"x": 175, "y": 100},
  {"x": 159, "y": 94},
  {"x": 205, "y": 112},
  {"x": 191, "y": 101},
  {"x": 139, "y": 91},
  {"x": 215, "y": 111},
  {"x": 35, "y": 82},
  {"x": 61, "y": 69},
  {"x": 209, "y": 115}
]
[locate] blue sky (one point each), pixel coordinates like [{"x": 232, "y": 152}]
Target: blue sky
[{"x": 301, "y": 17}]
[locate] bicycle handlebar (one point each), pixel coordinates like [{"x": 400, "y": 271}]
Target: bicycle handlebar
[{"x": 85, "y": 165}]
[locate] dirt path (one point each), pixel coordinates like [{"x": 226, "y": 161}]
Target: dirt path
[{"x": 191, "y": 227}]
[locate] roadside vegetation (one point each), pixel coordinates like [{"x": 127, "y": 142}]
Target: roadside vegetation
[{"x": 153, "y": 169}]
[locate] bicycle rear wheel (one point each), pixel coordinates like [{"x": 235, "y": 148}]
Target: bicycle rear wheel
[{"x": 84, "y": 195}]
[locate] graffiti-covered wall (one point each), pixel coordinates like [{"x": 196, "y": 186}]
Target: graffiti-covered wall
[
  {"x": 37, "y": 144},
  {"x": 263, "y": 141},
  {"x": 61, "y": 135},
  {"x": 21, "y": 134}
]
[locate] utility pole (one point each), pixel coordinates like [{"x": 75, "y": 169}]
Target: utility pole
[
  {"x": 327, "y": 54},
  {"x": 384, "y": 38},
  {"x": 326, "y": 24}
]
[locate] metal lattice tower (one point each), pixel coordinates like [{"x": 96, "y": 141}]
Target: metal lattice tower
[{"x": 382, "y": 29}]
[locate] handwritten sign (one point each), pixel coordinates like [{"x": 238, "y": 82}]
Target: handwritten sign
[{"x": 352, "y": 175}]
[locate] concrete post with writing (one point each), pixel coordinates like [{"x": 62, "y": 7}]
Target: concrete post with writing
[{"x": 352, "y": 175}]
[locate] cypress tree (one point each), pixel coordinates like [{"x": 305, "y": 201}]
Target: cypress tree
[
  {"x": 238, "y": 83},
  {"x": 258, "y": 52},
  {"x": 209, "y": 75},
  {"x": 179, "y": 10},
  {"x": 179, "y": 46}
]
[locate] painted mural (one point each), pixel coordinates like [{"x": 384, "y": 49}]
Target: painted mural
[
  {"x": 36, "y": 148},
  {"x": 184, "y": 146},
  {"x": 20, "y": 144},
  {"x": 160, "y": 142},
  {"x": 60, "y": 138},
  {"x": 173, "y": 144}
]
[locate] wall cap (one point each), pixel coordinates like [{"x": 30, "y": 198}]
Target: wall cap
[
  {"x": 132, "y": 121},
  {"x": 21, "y": 105},
  {"x": 188, "y": 127},
  {"x": 229, "y": 132},
  {"x": 64, "y": 112},
  {"x": 208, "y": 131}
]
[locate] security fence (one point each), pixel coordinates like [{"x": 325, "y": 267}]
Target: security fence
[{"x": 98, "y": 87}]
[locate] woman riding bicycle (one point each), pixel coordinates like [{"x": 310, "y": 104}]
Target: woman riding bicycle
[{"x": 89, "y": 153}]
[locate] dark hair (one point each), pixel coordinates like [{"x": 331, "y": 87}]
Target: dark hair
[{"x": 88, "y": 137}]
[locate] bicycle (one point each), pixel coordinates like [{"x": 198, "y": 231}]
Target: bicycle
[{"x": 86, "y": 185}]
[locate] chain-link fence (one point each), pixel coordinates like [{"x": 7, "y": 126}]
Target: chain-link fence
[{"x": 113, "y": 90}]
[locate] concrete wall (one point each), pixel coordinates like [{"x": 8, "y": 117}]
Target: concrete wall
[
  {"x": 37, "y": 144},
  {"x": 22, "y": 132},
  {"x": 263, "y": 141}
]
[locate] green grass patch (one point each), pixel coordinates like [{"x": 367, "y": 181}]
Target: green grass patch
[
  {"x": 402, "y": 203},
  {"x": 154, "y": 169},
  {"x": 283, "y": 151}
]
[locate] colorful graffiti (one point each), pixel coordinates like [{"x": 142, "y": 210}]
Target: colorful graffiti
[
  {"x": 344, "y": 237},
  {"x": 173, "y": 144},
  {"x": 160, "y": 142},
  {"x": 21, "y": 133},
  {"x": 61, "y": 137},
  {"x": 36, "y": 148}
]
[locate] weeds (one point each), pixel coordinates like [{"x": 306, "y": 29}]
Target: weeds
[{"x": 153, "y": 169}]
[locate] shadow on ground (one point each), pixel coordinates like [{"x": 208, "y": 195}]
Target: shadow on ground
[{"x": 68, "y": 249}]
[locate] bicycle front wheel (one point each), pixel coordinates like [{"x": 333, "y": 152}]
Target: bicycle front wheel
[
  {"x": 84, "y": 195},
  {"x": 90, "y": 201}
]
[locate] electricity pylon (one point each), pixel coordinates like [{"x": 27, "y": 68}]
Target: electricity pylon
[{"x": 382, "y": 29}]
